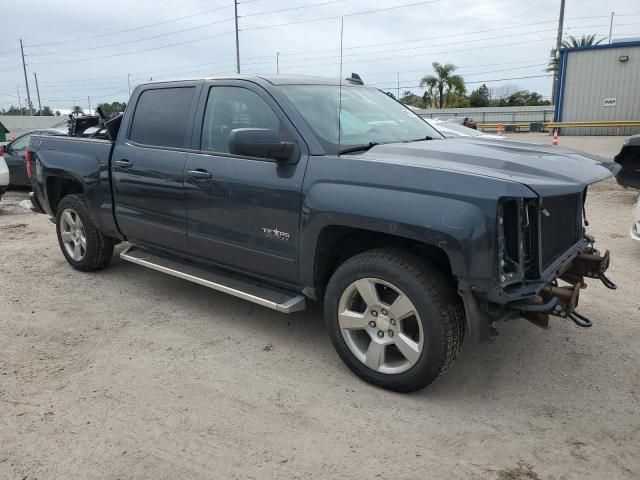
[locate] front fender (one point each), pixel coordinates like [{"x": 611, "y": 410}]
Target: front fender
[{"x": 457, "y": 227}]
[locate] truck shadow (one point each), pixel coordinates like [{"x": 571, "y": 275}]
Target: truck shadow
[{"x": 523, "y": 360}]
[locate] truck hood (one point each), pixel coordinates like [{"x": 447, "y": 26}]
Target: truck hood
[{"x": 547, "y": 170}]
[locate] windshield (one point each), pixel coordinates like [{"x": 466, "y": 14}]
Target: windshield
[{"x": 367, "y": 116}]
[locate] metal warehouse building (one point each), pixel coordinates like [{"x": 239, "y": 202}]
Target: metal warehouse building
[{"x": 600, "y": 83}]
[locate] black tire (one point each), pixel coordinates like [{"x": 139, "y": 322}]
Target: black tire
[
  {"x": 99, "y": 249},
  {"x": 434, "y": 296}
]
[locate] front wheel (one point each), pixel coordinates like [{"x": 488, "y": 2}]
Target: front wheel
[
  {"x": 82, "y": 244},
  {"x": 394, "y": 318}
]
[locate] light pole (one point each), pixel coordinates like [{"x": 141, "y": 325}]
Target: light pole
[
  {"x": 611, "y": 26},
  {"x": 26, "y": 81},
  {"x": 278, "y": 63},
  {"x": 235, "y": 6},
  {"x": 129, "y": 82},
  {"x": 38, "y": 92}
]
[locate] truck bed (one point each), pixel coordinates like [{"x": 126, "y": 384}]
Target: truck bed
[{"x": 83, "y": 160}]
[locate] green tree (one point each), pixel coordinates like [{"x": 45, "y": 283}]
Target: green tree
[
  {"x": 113, "y": 107},
  {"x": 46, "y": 111},
  {"x": 583, "y": 41},
  {"x": 479, "y": 97},
  {"x": 443, "y": 82},
  {"x": 17, "y": 111},
  {"x": 77, "y": 109},
  {"x": 525, "y": 98},
  {"x": 410, "y": 98},
  {"x": 427, "y": 99}
]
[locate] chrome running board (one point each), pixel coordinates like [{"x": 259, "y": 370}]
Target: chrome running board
[{"x": 248, "y": 289}]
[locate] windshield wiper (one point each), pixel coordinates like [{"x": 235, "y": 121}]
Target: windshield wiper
[
  {"x": 428, "y": 137},
  {"x": 359, "y": 148}
]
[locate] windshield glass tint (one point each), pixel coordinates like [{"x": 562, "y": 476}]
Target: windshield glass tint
[{"x": 367, "y": 115}]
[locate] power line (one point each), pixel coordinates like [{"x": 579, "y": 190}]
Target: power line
[
  {"x": 480, "y": 81},
  {"x": 84, "y": 59},
  {"x": 465, "y": 75},
  {"x": 415, "y": 48},
  {"x": 129, "y": 29},
  {"x": 153, "y": 37},
  {"x": 289, "y": 9},
  {"x": 15, "y": 67},
  {"x": 136, "y": 40},
  {"x": 442, "y": 44},
  {"x": 259, "y": 27}
]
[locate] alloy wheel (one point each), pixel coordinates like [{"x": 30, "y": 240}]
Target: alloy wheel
[{"x": 380, "y": 325}]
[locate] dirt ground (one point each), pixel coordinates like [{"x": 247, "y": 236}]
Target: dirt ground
[{"x": 129, "y": 373}]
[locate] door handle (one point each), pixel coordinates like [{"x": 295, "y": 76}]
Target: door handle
[
  {"x": 200, "y": 174},
  {"x": 124, "y": 164}
]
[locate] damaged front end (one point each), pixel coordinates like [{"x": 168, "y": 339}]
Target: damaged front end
[
  {"x": 543, "y": 259},
  {"x": 562, "y": 301}
]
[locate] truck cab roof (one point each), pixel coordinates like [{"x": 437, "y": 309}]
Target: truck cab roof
[{"x": 275, "y": 80}]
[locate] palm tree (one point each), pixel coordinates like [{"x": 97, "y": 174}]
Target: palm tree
[
  {"x": 443, "y": 81},
  {"x": 77, "y": 110},
  {"x": 584, "y": 41},
  {"x": 572, "y": 42}
]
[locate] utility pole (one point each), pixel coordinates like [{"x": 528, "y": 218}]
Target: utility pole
[
  {"x": 26, "y": 81},
  {"x": 129, "y": 82},
  {"x": 35, "y": 75},
  {"x": 19, "y": 100},
  {"x": 398, "y": 97},
  {"x": 611, "y": 26},
  {"x": 89, "y": 102},
  {"x": 557, "y": 52},
  {"x": 235, "y": 6},
  {"x": 278, "y": 63}
]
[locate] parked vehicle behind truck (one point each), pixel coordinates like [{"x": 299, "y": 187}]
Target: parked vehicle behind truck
[{"x": 282, "y": 189}]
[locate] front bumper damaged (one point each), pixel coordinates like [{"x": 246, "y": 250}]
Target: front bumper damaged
[
  {"x": 562, "y": 301},
  {"x": 538, "y": 303}
]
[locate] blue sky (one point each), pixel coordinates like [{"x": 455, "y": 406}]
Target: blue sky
[{"x": 81, "y": 49}]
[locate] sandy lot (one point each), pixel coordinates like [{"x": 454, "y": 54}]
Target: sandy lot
[{"x": 128, "y": 373}]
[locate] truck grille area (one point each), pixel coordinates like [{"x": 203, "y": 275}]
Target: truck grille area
[{"x": 560, "y": 225}]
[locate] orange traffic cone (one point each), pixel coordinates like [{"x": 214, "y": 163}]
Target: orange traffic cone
[
  {"x": 501, "y": 129},
  {"x": 555, "y": 137}
]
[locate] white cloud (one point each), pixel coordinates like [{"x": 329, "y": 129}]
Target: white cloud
[{"x": 444, "y": 26}]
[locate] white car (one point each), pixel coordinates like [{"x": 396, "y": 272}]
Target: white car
[
  {"x": 4, "y": 177},
  {"x": 455, "y": 130},
  {"x": 635, "y": 222}
]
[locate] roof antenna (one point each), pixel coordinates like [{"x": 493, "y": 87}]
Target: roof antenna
[{"x": 340, "y": 85}]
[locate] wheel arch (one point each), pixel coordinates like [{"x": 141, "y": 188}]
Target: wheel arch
[
  {"x": 58, "y": 187},
  {"x": 338, "y": 243}
]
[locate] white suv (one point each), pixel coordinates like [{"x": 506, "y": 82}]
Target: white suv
[
  {"x": 4, "y": 176},
  {"x": 635, "y": 221}
]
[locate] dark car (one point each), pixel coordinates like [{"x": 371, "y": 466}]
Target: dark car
[
  {"x": 466, "y": 121},
  {"x": 629, "y": 160},
  {"x": 251, "y": 186},
  {"x": 14, "y": 156}
]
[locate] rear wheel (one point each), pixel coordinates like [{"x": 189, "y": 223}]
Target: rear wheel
[
  {"x": 394, "y": 318},
  {"x": 84, "y": 247}
]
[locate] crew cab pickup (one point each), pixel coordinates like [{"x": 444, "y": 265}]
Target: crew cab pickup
[{"x": 286, "y": 189}]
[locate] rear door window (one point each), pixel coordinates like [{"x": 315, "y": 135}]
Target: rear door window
[{"x": 161, "y": 117}]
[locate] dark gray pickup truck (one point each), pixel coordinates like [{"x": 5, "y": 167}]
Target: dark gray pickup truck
[{"x": 282, "y": 189}]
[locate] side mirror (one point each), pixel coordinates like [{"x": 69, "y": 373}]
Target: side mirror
[{"x": 260, "y": 142}]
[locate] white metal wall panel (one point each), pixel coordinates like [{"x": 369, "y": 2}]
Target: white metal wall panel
[{"x": 593, "y": 75}]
